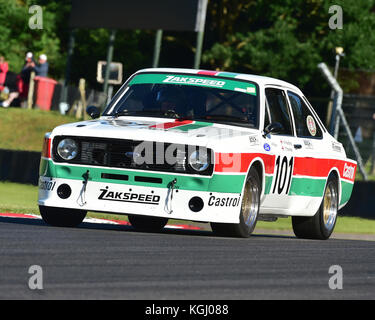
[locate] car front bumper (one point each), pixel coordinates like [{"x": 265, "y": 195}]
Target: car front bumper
[{"x": 122, "y": 198}]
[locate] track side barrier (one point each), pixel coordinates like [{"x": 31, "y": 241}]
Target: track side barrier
[{"x": 19, "y": 166}]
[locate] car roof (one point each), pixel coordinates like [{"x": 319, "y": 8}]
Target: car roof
[{"x": 261, "y": 80}]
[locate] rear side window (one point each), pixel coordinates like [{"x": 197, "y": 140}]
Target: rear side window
[
  {"x": 278, "y": 108},
  {"x": 306, "y": 124}
]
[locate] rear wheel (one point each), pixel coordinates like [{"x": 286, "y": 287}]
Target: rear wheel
[
  {"x": 321, "y": 225},
  {"x": 249, "y": 210},
  {"x": 147, "y": 223},
  {"x": 62, "y": 217}
]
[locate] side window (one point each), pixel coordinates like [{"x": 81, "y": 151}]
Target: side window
[
  {"x": 278, "y": 108},
  {"x": 306, "y": 124}
]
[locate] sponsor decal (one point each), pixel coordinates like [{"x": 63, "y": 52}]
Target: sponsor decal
[
  {"x": 195, "y": 81},
  {"x": 107, "y": 194},
  {"x": 254, "y": 141},
  {"x": 223, "y": 202},
  {"x": 308, "y": 144},
  {"x": 47, "y": 185},
  {"x": 286, "y": 145},
  {"x": 336, "y": 147},
  {"x": 348, "y": 172},
  {"x": 266, "y": 147},
  {"x": 310, "y": 122}
]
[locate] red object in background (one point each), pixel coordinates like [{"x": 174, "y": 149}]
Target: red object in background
[
  {"x": 3, "y": 74},
  {"x": 44, "y": 92},
  {"x": 23, "y": 88}
]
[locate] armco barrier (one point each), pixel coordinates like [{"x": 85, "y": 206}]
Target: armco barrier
[
  {"x": 19, "y": 166},
  {"x": 23, "y": 167}
]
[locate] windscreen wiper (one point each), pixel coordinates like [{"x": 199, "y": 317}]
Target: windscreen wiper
[
  {"x": 222, "y": 117},
  {"x": 132, "y": 113}
]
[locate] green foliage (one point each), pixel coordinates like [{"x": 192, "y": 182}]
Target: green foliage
[
  {"x": 280, "y": 38},
  {"x": 287, "y": 38},
  {"x": 16, "y": 38}
]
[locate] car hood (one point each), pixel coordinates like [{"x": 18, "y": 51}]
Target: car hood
[{"x": 154, "y": 129}]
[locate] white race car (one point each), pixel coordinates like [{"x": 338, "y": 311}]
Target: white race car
[{"x": 207, "y": 146}]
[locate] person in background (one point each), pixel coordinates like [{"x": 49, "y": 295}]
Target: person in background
[
  {"x": 3, "y": 72},
  {"x": 23, "y": 84},
  {"x": 41, "y": 69},
  {"x": 28, "y": 67}
]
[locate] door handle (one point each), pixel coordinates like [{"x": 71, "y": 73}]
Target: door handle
[{"x": 297, "y": 146}]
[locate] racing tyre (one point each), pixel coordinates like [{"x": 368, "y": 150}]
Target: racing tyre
[
  {"x": 61, "y": 217},
  {"x": 321, "y": 225},
  {"x": 147, "y": 223},
  {"x": 249, "y": 210}
]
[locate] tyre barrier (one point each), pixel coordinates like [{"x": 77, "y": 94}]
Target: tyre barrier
[
  {"x": 361, "y": 202},
  {"x": 19, "y": 166}
]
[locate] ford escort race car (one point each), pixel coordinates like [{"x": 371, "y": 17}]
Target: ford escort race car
[{"x": 225, "y": 148}]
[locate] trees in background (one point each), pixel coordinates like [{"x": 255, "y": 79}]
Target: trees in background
[
  {"x": 283, "y": 38},
  {"x": 288, "y": 38}
]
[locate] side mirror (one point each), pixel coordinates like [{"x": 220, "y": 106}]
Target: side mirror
[
  {"x": 274, "y": 128},
  {"x": 93, "y": 112}
]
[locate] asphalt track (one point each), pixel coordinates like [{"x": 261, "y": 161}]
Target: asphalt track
[{"x": 98, "y": 261}]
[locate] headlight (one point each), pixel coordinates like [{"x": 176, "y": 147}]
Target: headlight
[
  {"x": 67, "y": 149},
  {"x": 199, "y": 160}
]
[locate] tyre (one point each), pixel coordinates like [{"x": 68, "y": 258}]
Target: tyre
[
  {"x": 147, "y": 223},
  {"x": 61, "y": 217},
  {"x": 249, "y": 210},
  {"x": 321, "y": 225}
]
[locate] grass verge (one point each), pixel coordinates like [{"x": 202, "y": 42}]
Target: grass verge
[
  {"x": 31, "y": 126},
  {"x": 21, "y": 198}
]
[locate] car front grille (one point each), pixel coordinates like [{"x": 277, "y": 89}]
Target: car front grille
[{"x": 121, "y": 153}]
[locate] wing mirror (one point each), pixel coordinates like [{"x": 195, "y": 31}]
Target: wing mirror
[
  {"x": 274, "y": 128},
  {"x": 93, "y": 112}
]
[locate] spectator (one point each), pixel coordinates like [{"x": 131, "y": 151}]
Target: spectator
[
  {"x": 23, "y": 86},
  {"x": 28, "y": 68},
  {"x": 3, "y": 72},
  {"x": 42, "y": 68}
]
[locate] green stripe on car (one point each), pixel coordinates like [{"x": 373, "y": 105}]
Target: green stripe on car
[{"x": 216, "y": 183}]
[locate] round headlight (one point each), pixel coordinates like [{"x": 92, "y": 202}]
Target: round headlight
[
  {"x": 199, "y": 161},
  {"x": 67, "y": 149}
]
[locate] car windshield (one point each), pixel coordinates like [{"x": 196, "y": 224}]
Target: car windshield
[{"x": 188, "y": 97}]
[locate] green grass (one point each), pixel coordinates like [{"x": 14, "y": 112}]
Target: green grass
[
  {"x": 20, "y": 198},
  {"x": 24, "y": 129}
]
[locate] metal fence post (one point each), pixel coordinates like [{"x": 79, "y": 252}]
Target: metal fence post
[{"x": 340, "y": 113}]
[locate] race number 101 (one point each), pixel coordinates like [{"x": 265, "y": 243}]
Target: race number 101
[{"x": 283, "y": 175}]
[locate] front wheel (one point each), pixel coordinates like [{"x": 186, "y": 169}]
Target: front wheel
[
  {"x": 249, "y": 210},
  {"x": 61, "y": 217},
  {"x": 321, "y": 225}
]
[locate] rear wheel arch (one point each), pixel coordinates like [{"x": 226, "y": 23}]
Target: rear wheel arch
[{"x": 334, "y": 173}]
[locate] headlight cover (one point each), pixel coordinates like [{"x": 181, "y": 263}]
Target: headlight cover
[
  {"x": 67, "y": 149},
  {"x": 199, "y": 160}
]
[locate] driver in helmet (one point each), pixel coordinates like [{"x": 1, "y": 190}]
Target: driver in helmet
[{"x": 170, "y": 100}]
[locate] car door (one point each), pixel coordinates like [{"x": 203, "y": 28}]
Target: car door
[
  {"x": 281, "y": 146},
  {"x": 310, "y": 164}
]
